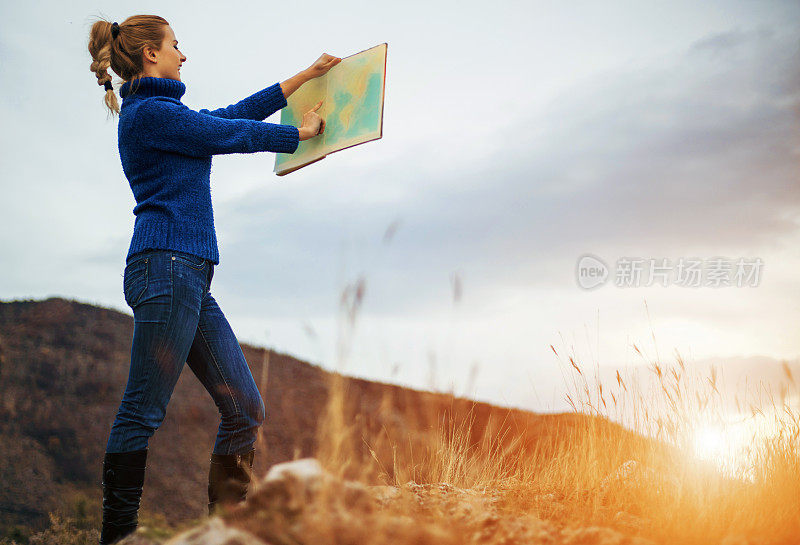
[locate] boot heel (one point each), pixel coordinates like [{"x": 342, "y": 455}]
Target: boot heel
[{"x": 123, "y": 480}]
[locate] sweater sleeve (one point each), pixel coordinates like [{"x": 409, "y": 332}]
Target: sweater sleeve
[
  {"x": 168, "y": 125},
  {"x": 258, "y": 106}
]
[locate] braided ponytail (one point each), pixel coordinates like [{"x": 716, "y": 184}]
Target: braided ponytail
[{"x": 120, "y": 47}]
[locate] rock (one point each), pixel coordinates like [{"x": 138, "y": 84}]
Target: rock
[
  {"x": 303, "y": 470},
  {"x": 303, "y": 479},
  {"x": 384, "y": 494},
  {"x": 291, "y": 484},
  {"x": 214, "y": 532}
]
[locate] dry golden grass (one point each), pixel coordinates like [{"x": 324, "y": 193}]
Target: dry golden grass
[{"x": 583, "y": 481}]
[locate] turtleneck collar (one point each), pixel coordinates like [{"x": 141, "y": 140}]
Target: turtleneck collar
[{"x": 151, "y": 87}]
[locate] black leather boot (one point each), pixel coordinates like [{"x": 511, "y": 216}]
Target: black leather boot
[
  {"x": 123, "y": 479},
  {"x": 228, "y": 478}
]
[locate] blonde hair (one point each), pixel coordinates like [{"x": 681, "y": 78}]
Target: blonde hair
[{"x": 123, "y": 53}]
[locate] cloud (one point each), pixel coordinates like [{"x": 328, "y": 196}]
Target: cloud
[{"x": 690, "y": 154}]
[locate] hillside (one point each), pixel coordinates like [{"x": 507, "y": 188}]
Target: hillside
[{"x": 63, "y": 368}]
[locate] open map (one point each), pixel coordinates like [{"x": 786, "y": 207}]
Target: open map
[{"x": 352, "y": 94}]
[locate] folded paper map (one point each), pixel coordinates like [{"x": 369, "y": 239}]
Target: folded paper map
[{"x": 352, "y": 107}]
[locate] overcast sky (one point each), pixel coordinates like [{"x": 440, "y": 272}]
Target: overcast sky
[{"x": 518, "y": 136}]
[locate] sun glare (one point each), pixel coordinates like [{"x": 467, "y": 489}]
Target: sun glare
[
  {"x": 732, "y": 446},
  {"x": 711, "y": 443}
]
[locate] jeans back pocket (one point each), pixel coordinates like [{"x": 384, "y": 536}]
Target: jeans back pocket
[{"x": 135, "y": 280}]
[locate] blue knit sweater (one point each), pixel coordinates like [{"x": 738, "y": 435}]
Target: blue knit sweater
[{"x": 166, "y": 151}]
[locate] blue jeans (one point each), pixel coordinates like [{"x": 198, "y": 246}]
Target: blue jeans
[{"x": 177, "y": 320}]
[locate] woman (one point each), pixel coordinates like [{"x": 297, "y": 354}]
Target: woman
[{"x": 166, "y": 150}]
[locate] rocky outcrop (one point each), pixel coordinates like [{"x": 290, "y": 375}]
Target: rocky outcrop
[{"x": 299, "y": 502}]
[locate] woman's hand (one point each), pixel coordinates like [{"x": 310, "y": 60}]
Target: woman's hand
[
  {"x": 319, "y": 68},
  {"x": 322, "y": 65},
  {"x": 312, "y": 124}
]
